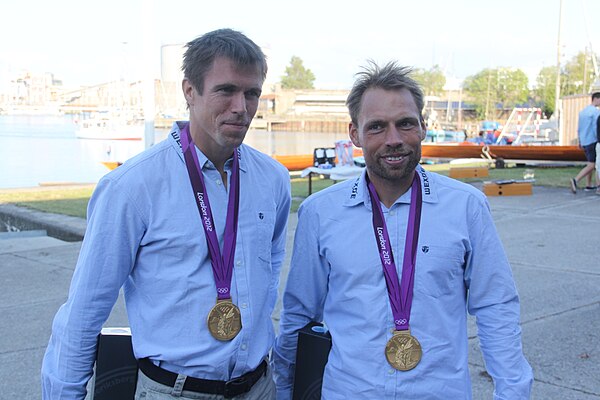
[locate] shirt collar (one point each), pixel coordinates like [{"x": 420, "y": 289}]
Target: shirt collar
[
  {"x": 358, "y": 192},
  {"x": 175, "y": 139}
]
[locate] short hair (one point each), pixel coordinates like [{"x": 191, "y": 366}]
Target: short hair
[
  {"x": 390, "y": 77},
  {"x": 595, "y": 95},
  {"x": 202, "y": 52}
]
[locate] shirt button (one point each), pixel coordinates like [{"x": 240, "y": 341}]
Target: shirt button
[
  {"x": 244, "y": 305},
  {"x": 392, "y": 213},
  {"x": 239, "y": 263},
  {"x": 391, "y": 371},
  {"x": 218, "y": 182},
  {"x": 243, "y": 346}
]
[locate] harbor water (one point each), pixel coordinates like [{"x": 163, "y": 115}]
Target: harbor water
[{"x": 40, "y": 150}]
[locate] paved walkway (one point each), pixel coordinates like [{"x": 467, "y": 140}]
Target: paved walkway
[{"x": 552, "y": 241}]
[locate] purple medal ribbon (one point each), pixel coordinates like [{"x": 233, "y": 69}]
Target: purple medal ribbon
[
  {"x": 400, "y": 293},
  {"x": 222, "y": 266}
]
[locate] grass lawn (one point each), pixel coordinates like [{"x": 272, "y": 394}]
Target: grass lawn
[
  {"x": 59, "y": 200},
  {"x": 73, "y": 201},
  {"x": 544, "y": 176}
]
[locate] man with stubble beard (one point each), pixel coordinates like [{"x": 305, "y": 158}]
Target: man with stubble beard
[{"x": 392, "y": 261}]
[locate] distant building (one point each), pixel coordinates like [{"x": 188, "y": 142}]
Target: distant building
[
  {"x": 31, "y": 89},
  {"x": 172, "y": 102}
]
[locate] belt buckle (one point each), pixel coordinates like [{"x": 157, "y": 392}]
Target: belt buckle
[{"x": 234, "y": 387}]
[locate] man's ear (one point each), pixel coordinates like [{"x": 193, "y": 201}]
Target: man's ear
[
  {"x": 353, "y": 133},
  {"x": 423, "y": 130},
  {"x": 188, "y": 91}
]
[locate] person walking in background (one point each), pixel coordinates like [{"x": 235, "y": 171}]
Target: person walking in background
[
  {"x": 194, "y": 229},
  {"x": 587, "y": 135},
  {"x": 598, "y": 156},
  {"x": 392, "y": 261}
]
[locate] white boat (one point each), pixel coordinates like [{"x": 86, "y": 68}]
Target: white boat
[{"x": 110, "y": 126}]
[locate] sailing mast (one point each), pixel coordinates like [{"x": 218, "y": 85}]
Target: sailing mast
[
  {"x": 149, "y": 46},
  {"x": 595, "y": 86},
  {"x": 557, "y": 91}
]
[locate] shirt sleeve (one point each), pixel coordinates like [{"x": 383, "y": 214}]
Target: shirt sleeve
[
  {"x": 280, "y": 231},
  {"x": 303, "y": 299},
  {"x": 106, "y": 258},
  {"x": 494, "y": 301}
]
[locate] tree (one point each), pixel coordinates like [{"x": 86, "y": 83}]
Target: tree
[
  {"x": 576, "y": 77},
  {"x": 545, "y": 89},
  {"x": 432, "y": 81},
  {"x": 502, "y": 87},
  {"x": 296, "y": 76}
]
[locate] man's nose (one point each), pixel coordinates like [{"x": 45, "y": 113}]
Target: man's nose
[
  {"x": 238, "y": 103},
  {"x": 394, "y": 136}
]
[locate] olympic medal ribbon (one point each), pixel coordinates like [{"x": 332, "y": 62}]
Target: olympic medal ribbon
[
  {"x": 222, "y": 262},
  {"x": 400, "y": 292}
]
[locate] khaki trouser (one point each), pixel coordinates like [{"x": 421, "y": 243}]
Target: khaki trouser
[{"x": 147, "y": 389}]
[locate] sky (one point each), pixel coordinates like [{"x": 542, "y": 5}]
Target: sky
[{"x": 86, "y": 42}]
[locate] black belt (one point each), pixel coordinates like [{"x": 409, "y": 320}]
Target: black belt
[{"x": 228, "y": 389}]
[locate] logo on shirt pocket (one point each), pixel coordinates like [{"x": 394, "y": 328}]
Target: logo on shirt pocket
[
  {"x": 439, "y": 270},
  {"x": 265, "y": 228}
]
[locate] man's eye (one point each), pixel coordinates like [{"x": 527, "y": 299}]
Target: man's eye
[
  {"x": 375, "y": 127},
  {"x": 226, "y": 89},
  {"x": 407, "y": 125},
  {"x": 253, "y": 94}
]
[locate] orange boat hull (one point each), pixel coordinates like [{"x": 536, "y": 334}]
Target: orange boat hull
[
  {"x": 292, "y": 163},
  {"x": 302, "y": 161},
  {"x": 469, "y": 150},
  {"x": 111, "y": 164},
  {"x": 297, "y": 162},
  {"x": 451, "y": 150}
]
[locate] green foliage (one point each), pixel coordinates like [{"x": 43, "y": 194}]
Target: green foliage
[
  {"x": 432, "y": 81},
  {"x": 476, "y": 88},
  {"x": 297, "y": 76},
  {"x": 513, "y": 87},
  {"x": 505, "y": 87},
  {"x": 545, "y": 90},
  {"x": 577, "y": 75}
]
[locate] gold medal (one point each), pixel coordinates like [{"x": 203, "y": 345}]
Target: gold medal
[
  {"x": 403, "y": 351},
  {"x": 224, "y": 320}
]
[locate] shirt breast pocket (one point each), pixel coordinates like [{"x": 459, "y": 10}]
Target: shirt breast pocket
[
  {"x": 439, "y": 270},
  {"x": 265, "y": 226}
]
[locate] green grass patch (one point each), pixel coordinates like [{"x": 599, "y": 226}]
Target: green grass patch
[
  {"x": 57, "y": 200},
  {"x": 73, "y": 201},
  {"x": 544, "y": 176},
  {"x": 300, "y": 189}
]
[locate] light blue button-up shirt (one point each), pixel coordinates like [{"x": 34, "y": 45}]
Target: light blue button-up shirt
[
  {"x": 336, "y": 276},
  {"x": 144, "y": 233},
  {"x": 587, "y": 125}
]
